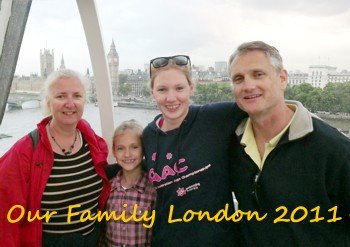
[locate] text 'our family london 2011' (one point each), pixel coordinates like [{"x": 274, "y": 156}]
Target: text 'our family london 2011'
[{"x": 18, "y": 213}]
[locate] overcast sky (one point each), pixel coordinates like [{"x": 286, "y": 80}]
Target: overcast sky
[{"x": 305, "y": 32}]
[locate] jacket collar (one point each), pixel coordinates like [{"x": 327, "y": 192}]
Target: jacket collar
[
  {"x": 301, "y": 125},
  {"x": 185, "y": 125},
  {"x": 83, "y": 126},
  {"x": 139, "y": 186}
]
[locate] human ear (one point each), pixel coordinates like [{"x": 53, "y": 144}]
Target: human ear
[{"x": 283, "y": 75}]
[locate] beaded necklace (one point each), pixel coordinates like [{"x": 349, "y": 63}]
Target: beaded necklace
[{"x": 71, "y": 147}]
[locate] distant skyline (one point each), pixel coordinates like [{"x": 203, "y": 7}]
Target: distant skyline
[{"x": 306, "y": 33}]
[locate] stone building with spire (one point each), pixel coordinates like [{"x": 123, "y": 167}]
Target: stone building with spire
[
  {"x": 113, "y": 64},
  {"x": 62, "y": 66},
  {"x": 47, "y": 62}
]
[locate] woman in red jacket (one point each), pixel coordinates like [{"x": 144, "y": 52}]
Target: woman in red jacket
[{"x": 44, "y": 189}]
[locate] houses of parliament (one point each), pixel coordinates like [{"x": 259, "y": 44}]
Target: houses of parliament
[{"x": 34, "y": 82}]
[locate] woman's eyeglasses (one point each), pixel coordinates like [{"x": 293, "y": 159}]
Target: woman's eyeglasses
[{"x": 159, "y": 62}]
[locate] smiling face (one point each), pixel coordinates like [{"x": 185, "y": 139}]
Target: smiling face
[
  {"x": 127, "y": 150},
  {"x": 66, "y": 101},
  {"x": 172, "y": 92},
  {"x": 257, "y": 86}
]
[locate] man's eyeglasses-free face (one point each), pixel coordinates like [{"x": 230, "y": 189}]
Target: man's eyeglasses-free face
[{"x": 159, "y": 62}]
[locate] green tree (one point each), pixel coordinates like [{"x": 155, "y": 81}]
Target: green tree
[
  {"x": 314, "y": 99},
  {"x": 122, "y": 78},
  {"x": 146, "y": 91},
  {"x": 335, "y": 97},
  {"x": 344, "y": 96},
  {"x": 289, "y": 92},
  {"x": 212, "y": 92},
  {"x": 302, "y": 88},
  {"x": 124, "y": 89}
]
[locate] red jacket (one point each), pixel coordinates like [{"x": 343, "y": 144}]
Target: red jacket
[{"x": 23, "y": 177}]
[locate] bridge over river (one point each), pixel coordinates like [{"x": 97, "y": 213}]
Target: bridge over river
[{"x": 23, "y": 100}]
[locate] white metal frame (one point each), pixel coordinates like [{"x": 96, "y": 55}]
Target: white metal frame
[{"x": 91, "y": 24}]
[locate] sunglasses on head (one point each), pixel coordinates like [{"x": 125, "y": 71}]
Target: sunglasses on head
[{"x": 159, "y": 62}]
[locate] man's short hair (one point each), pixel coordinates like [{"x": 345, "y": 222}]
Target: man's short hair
[{"x": 271, "y": 52}]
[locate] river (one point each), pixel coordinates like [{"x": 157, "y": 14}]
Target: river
[
  {"x": 339, "y": 123},
  {"x": 20, "y": 122}
]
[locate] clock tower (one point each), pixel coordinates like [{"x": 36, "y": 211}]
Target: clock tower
[{"x": 113, "y": 64}]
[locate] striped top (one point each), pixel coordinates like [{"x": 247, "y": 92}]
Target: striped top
[{"x": 73, "y": 180}]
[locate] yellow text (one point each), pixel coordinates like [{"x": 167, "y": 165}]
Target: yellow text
[{"x": 222, "y": 214}]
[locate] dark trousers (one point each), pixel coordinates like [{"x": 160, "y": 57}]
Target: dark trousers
[{"x": 73, "y": 239}]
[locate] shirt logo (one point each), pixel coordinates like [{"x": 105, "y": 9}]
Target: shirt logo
[
  {"x": 168, "y": 170},
  {"x": 181, "y": 191}
]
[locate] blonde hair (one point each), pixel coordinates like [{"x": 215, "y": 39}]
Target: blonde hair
[
  {"x": 131, "y": 124},
  {"x": 171, "y": 65},
  {"x": 51, "y": 81}
]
